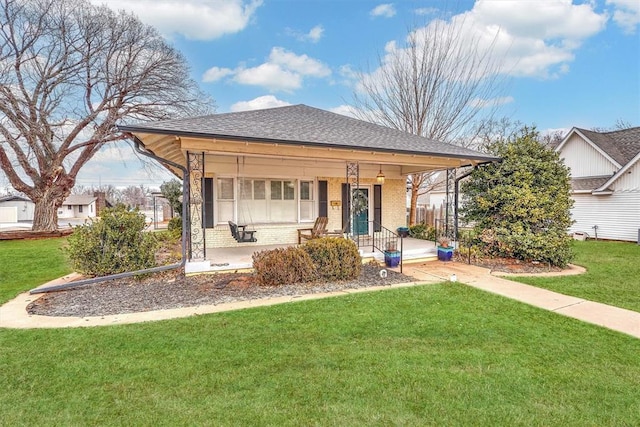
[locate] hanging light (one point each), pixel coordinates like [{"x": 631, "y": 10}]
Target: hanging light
[{"x": 380, "y": 176}]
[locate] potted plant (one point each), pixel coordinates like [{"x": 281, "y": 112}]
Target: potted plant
[
  {"x": 445, "y": 250},
  {"x": 391, "y": 254},
  {"x": 403, "y": 231}
]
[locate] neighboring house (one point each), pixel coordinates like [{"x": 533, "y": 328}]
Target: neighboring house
[
  {"x": 276, "y": 170},
  {"x": 78, "y": 206},
  {"x": 15, "y": 209},
  {"x": 605, "y": 182}
]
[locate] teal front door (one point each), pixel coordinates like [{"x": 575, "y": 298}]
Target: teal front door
[{"x": 360, "y": 206}]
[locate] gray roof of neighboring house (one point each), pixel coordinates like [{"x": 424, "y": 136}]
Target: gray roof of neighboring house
[
  {"x": 78, "y": 199},
  {"x": 301, "y": 124},
  {"x": 13, "y": 198},
  {"x": 621, "y": 145},
  {"x": 588, "y": 183}
]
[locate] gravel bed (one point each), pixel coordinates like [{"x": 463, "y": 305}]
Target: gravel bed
[{"x": 167, "y": 290}]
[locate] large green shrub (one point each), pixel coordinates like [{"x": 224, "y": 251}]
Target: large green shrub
[
  {"x": 521, "y": 205},
  {"x": 283, "y": 266},
  {"x": 115, "y": 243},
  {"x": 334, "y": 258},
  {"x": 174, "y": 227}
]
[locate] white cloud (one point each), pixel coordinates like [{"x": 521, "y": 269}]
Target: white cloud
[
  {"x": 386, "y": 10},
  {"x": 626, "y": 14},
  {"x": 269, "y": 75},
  {"x": 259, "y": 103},
  {"x": 302, "y": 64},
  {"x": 315, "y": 34},
  {"x": 283, "y": 71},
  {"x": 532, "y": 39},
  {"x": 194, "y": 19},
  {"x": 214, "y": 74}
]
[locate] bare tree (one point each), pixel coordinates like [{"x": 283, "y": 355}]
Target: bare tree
[
  {"x": 69, "y": 71},
  {"x": 135, "y": 196},
  {"x": 434, "y": 86}
]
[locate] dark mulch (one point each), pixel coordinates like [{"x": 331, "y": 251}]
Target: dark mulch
[
  {"x": 510, "y": 265},
  {"x": 168, "y": 290}
]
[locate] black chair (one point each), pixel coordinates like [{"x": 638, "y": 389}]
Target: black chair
[{"x": 241, "y": 234}]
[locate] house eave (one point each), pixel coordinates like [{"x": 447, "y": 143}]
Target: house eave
[{"x": 140, "y": 132}]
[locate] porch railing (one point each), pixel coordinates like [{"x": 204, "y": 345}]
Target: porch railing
[{"x": 384, "y": 240}]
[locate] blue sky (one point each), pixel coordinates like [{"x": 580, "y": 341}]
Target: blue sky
[{"x": 567, "y": 63}]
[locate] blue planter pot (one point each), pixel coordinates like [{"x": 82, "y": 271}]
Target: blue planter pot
[
  {"x": 403, "y": 231},
  {"x": 392, "y": 258},
  {"x": 445, "y": 253}
]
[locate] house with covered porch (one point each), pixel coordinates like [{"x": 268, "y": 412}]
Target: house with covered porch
[{"x": 276, "y": 170}]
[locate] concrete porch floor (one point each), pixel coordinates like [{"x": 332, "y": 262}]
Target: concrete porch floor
[{"x": 239, "y": 258}]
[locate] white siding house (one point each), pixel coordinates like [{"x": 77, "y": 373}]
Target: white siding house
[
  {"x": 605, "y": 181},
  {"x": 78, "y": 206},
  {"x": 16, "y": 208}
]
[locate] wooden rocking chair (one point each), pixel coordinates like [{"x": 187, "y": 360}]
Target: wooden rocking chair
[{"x": 318, "y": 230}]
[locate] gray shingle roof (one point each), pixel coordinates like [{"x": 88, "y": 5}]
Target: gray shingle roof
[
  {"x": 14, "y": 198},
  {"x": 78, "y": 199},
  {"x": 621, "y": 145},
  {"x": 588, "y": 183},
  {"x": 301, "y": 124}
]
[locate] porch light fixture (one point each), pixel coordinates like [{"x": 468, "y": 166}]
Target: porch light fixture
[{"x": 380, "y": 176}]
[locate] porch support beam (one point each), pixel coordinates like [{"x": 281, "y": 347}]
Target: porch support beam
[{"x": 197, "y": 245}]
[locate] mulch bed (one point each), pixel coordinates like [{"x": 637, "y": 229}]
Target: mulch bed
[
  {"x": 28, "y": 234},
  {"x": 510, "y": 265},
  {"x": 168, "y": 290}
]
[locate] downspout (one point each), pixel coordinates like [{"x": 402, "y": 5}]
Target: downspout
[{"x": 181, "y": 264}]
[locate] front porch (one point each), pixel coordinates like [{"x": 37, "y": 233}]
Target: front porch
[{"x": 240, "y": 257}]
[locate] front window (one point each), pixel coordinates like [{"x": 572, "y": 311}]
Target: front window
[
  {"x": 261, "y": 200},
  {"x": 226, "y": 199},
  {"x": 306, "y": 201}
]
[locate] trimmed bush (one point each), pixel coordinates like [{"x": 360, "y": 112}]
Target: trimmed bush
[
  {"x": 422, "y": 231},
  {"x": 115, "y": 243},
  {"x": 334, "y": 258},
  {"x": 283, "y": 266}
]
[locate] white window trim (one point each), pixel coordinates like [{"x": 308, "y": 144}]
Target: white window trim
[{"x": 236, "y": 200}]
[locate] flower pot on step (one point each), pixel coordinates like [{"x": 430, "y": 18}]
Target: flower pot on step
[
  {"x": 445, "y": 253},
  {"x": 392, "y": 258}
]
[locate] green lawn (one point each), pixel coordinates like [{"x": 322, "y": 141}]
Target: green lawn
[
  {"x": 613, "y": 274},
  {"x": 25, "y": 264},
  {"x": 433, "y": 355}
]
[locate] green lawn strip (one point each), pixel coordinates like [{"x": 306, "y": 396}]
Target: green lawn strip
[
  {"x": 613, "y": 274},
  {"x": 25, "y": 264},
  {"x": 431, "y": 355}
]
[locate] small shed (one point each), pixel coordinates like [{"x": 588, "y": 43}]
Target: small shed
[{"x": 15, "y": 209}]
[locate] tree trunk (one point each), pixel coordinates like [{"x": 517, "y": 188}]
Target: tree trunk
[
  {"x": 414, "y": 201},
  {"x": 45, "y": 217}
]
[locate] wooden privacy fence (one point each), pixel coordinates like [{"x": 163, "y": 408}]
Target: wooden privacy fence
[{"x": 430, "y": 216}]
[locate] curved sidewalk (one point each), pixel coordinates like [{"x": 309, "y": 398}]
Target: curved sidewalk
[{"x": 13, "y": 314}]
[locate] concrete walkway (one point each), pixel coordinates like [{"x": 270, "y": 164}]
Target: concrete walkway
[
  {"x": 618, "y": 319},
  {"x": 14, "y": 315}
]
